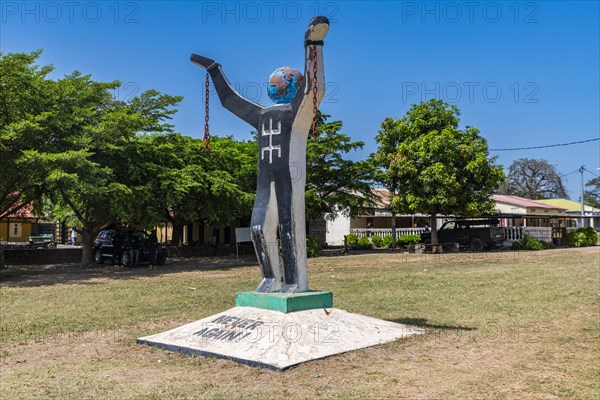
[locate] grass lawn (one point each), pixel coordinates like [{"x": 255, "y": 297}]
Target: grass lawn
[{"x": 500, "y": 325}]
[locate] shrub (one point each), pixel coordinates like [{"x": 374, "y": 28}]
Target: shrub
[
  {"x": 351, "y": 240},
  {"x": 364, "y": 243},
  {"x": 387, "y": 241},
  {"x": 576, "y": 238},
  {"x": 313, "y": 246},
  {"x": 582, "y": 237},
  {"x": 406, "y": 240},
  {"x": 377, "y": 241},
  {"x": 592, "y": 236},
  {"x": 530, "y": 243}
]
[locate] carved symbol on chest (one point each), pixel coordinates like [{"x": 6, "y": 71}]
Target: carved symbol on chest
[{"x": 271, "y": 148}]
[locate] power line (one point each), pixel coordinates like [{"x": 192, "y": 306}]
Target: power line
[
  {"x": 572, "y": 172},
  {"x": 566, "y": 176},
  {"x": 543, "y": 147},
  {"x": 585, "y": 169}
]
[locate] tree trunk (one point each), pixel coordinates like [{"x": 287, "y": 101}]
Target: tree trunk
[
  {"x": 434, "y": 236},
  {"x": 393, "y": 230},
  {"x": 87, "y": 255},
  {"x": 1, "y": 256}
]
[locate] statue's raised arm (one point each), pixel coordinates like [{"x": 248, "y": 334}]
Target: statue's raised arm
[
  {"x": 313, "y": 45},
  {"x": 230, "y": 98}
]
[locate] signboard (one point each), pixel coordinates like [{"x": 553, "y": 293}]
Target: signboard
[{"x": 241, "y": 235}]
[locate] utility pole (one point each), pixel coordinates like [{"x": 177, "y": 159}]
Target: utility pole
[{"x": 581, "y": 169}]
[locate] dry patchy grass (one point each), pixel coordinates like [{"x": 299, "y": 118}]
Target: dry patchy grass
[{"x": 500, "y": 325}]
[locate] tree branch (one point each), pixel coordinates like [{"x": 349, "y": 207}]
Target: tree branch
[{"x": 72, "y": 205}]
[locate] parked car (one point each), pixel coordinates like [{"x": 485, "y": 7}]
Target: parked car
[
  {"x": 477, "y": 233},
  {"x": 114, "y": 245}
]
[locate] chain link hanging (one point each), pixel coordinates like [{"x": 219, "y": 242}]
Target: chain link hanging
[
  {"x": 206, "y": 131},
  {"x": 314, "y": 91}
]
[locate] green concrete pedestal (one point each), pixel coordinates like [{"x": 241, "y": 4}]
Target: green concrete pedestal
[{"x": 285, "y": 302}]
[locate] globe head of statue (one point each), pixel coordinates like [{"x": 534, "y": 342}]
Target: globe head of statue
[{"x": 283, "y": 85}]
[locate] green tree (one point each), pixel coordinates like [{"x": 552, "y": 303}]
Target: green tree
[
  {"x": 93, "y": 170},
  {"x": 534, "y": 179},
  {"x": 24, "y": 121},
  {"x": 188, "y": 184},
  {"x": 592, "y": 194},
  {"x": 440, "y": 168},
  {"x": 388, "y": 139},
  {"x": 335, "y": 184}
]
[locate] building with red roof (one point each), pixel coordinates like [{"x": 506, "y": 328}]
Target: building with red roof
[
  {"x": 519, "y": 211},
  {"x": 21, "y": 224}
]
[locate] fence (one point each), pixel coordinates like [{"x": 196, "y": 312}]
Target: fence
[
  {"x": 514, "y": 233},
  {"x": 368, "y": 232}
]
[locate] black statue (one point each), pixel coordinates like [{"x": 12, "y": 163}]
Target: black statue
[{"x": 282, "y": 135}]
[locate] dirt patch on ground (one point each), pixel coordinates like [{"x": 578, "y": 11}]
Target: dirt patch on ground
[
  {"x": 588, "y": 250},
  {"x": 39, "y": 275}
]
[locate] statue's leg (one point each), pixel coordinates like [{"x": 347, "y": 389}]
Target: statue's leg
[
  {"x": 264, "y": 236},
  {"x": 292, "y": 229}
]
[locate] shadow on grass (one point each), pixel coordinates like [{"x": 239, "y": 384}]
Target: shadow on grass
[
  {"x": 422, "y": 323},
  {"x": 55, "y": 274}
]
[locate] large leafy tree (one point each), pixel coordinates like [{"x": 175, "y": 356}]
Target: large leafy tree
[
  {"x": 592, "y": 194},
  {"x": 534, "y": 179},
  {"x": 93, "y": 171},
  {"x": 189, "y": 184},
  {"x": 388, "y": 139},
  {"x": 335, "y": 184},
  {"x": 440, "y": 168},
  {"x": 25, "y": 97}
]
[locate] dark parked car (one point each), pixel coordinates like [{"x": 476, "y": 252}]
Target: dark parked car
[
  {"x": 114, "y": 245},
  {"x": 476, "y": 233}
]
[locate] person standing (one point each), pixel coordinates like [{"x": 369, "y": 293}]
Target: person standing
[
  {"x": 153, "y": 249},
  {"x": 135, "y": 249},
  {"x": 73, "y": 236},
  {"x": 119, "y": 241}
]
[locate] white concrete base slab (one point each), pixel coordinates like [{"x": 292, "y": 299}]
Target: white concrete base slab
[{"x": 275, "y": 340}]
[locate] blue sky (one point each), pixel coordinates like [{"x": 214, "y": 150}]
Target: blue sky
[{"x": 524, "y": 73}]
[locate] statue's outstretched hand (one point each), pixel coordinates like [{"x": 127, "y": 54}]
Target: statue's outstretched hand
[
  {"x": 317, "y": 29},
  {"x": 204, "y": 62}
]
